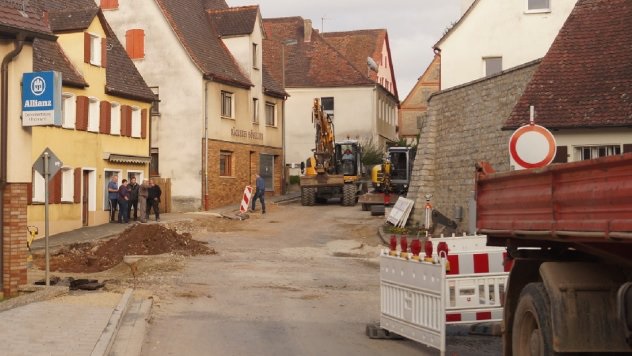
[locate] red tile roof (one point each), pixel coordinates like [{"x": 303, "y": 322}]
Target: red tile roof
[
  {"x": 234, "y": 21},
  {"x": 192, "y": 26},
  {"x": 308, "y": 64},
  {"x": 585, "y": 80},
  {"x": 358, "y": 45},
  {"x": 14, "y": 19},
  {"x": 48, "y": 55},
  {"x": 215, "y": 4}
]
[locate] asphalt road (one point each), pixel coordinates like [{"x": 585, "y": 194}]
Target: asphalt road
[{"x": 295, "y": 281}]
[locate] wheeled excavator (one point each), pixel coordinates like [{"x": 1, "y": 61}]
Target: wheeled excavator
[{"x": 334, "y": 168}]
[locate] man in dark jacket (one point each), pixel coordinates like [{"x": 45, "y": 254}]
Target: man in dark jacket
[
  {"x": 123, "y": 199},
  {"x": 133, "y": 198},
  {"x": 259, "y": 193},
  {"x": 153, "y": 199}
]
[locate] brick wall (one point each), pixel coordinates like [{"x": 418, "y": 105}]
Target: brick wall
[
  {"x": 245, "y": 160},
  {"x": 462, "y": 127},
  {"x": 14, "y": 238}
]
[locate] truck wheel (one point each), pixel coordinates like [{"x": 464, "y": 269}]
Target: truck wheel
[
  {"x": 348, "y": 195},
  {"x": 532, "y": 334},
  {"x": 308, "y": 196}
]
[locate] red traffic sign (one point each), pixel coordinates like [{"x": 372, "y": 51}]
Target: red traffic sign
[{"x": 532, "y": 146}]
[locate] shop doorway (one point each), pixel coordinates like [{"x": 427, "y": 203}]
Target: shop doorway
[{"x": 266, "y": 170}]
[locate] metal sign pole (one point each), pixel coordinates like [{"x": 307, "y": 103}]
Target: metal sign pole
[{"x": 46, "y": 178}]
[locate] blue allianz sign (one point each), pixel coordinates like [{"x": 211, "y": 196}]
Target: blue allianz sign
[{"x": 41, "y": 99}]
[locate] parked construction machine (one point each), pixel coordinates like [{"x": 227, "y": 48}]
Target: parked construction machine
[
  {"x": 334, "y": 169},
  {"x": 401, "y": 161}
]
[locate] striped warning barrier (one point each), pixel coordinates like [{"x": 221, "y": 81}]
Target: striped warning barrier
[
  {"x": 418, "y": 299},
  {"x": 245, "y": 201}
]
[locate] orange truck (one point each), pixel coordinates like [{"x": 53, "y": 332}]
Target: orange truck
[{"x": 568, "y": 228}]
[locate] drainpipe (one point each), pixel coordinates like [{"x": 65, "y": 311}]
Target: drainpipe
[
  {"x": 206, "y": 145},
  {"x": 4, "y": 119}
]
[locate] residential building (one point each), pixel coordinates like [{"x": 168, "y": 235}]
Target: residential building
[
  {"x": 582, "y": 91},
  {"x": 334, "y": 70},
  {"x": 105, "y": 115},
  {"x": 494, "y": 35},
  {"x": 220, "y": 117},
  {"x": 412, "y": 112},
  {"x": 19, "y": 27}
]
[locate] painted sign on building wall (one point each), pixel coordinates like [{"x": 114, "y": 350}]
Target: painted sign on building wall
[{"x": 41, "y": 98}]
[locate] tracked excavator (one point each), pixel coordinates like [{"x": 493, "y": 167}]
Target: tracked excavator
[{"x": 334, "y": 168}]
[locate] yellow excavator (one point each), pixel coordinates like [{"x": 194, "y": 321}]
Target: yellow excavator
[{"x": 334, "y": 169}]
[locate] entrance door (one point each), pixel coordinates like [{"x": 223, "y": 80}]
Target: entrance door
[
  {"x": 84, "y": 197},
  {"x": 266, "y": 170}
]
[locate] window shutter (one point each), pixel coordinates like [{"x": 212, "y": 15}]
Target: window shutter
[
  {"x": 139, "y": 43},
  {"x": 54, "y": 189},
  {"x": 86, "y": 47},
  {"x": 627, "y": 148},
  {"x": 29, "y": 192},
  {"x": 129, "y": 43},
  {"x": 82, "y": 113},
  {"x": 104, "y": 117},
  {"x": 104, "y": 52},
  {"x": 127, "y": 112},
  {"x": 143, "y": 123},
  {"x": 561, "y": 155},
  {"x": 77, "y": 187}
]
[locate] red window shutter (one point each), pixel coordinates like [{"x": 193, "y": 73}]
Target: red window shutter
[
  {"x": 29, "y": 192},
  {"x": 561, "y": 154},
  {"x": 127, "y": 113},
  {"x": 104, "y": 117},
  {"x": 54, "y": 189},
  {"x": 86, "y": 47},
  {"x": 109, "y": 4},
  {"x": 123, "y": 120},
  {"x": 139, "y": 45},
  {"x": 77, "y": 187},
  {"x": 104, "y": 52},
  {"x": 143, "y": 123},
  {"x": 129, "y": 43},
  {"x": 82, "y": 113}
]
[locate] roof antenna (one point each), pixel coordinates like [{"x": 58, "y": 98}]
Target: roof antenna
[{"x": 322, "y": 24}]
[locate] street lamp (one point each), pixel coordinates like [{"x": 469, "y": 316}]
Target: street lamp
[{"x": 288, "y": 42}]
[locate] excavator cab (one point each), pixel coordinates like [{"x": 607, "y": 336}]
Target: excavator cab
[{"x": 348, "y": 159}]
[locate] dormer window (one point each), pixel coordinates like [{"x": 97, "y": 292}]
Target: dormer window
[
  {"x": 95, "y": 49},
  {"x": 538, "y": 5}
]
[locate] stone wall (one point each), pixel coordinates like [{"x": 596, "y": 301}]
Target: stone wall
[
  {"x": 462, "y": 127},
  {"x": 14, "y": 249},
  {"x": 229, "y": 190}
]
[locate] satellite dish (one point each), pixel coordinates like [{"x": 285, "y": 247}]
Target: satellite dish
[{"x": 371, "y": 63}]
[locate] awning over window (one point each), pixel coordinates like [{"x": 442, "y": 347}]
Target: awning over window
[{"x": 116, "y": 158}]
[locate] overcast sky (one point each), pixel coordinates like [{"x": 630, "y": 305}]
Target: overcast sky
[{"x": 414, "y": 26}]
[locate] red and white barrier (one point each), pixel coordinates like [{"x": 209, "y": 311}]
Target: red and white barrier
[
  {"x": 245, "y": 201},
  {"x": 418, "y": 299}
]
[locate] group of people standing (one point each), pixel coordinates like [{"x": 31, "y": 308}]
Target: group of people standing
[{"x": 143, "y": 197}]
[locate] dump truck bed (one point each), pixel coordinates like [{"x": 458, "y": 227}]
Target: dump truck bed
[{"x": 587, "y": 203}]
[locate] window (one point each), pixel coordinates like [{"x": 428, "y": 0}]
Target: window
[
  {"x": 38, "y": 187},
  {"x": 225, "y": 164},
  {"x": 155, "y": 105},
  {"x": 135, "y": 174},
  {"x": 109, "y": 4},
  {"x": 68, "y": 110},
  {"x": 93, "y": 114},
  {"x": 115, "y": 117},
  {"x": 227, "y": 104},
  {"x": 590, "y": 152},
  {"x": 153, "y": 165},
  {"x": 493, "y": 65},
  {"x": 327, "y": 104},
  {"x": 270, "y": 114},
  {"x": 95, "y": 50},
  {"x": 255, "y": 56},
  {"x": 136, "y": 121},
  {"x": 67, "y": 184},
  {"x": 255, "y": 110},
  {"x": 135, "y": 43},
  {"x": 538, "y": 5}
]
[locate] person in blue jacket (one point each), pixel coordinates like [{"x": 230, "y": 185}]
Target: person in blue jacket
[{"x": 260, "y": 191}]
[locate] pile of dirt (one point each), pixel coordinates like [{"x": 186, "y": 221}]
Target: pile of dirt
[{"x": 139, "y": 239}]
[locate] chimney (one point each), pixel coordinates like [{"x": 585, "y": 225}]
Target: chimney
[{"x": 307, "y": 30}]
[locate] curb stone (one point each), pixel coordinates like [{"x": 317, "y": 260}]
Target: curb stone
[{"x": 104, "y": 344}]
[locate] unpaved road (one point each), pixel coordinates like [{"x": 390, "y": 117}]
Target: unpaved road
[{"x": 296, "y": 281}]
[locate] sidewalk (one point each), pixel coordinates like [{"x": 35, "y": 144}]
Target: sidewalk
[{"x": 81, "y": 323}]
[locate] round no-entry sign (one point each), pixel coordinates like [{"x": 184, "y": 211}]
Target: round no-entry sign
[{"x": 532, "y": 146}]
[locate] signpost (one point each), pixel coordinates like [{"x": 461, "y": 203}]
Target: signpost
[
  {"x": 532, "y": 146},
  {"x": 47, "y": 164}
]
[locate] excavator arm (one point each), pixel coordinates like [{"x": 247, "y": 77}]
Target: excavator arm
[{"x": 324, "y": 147}]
